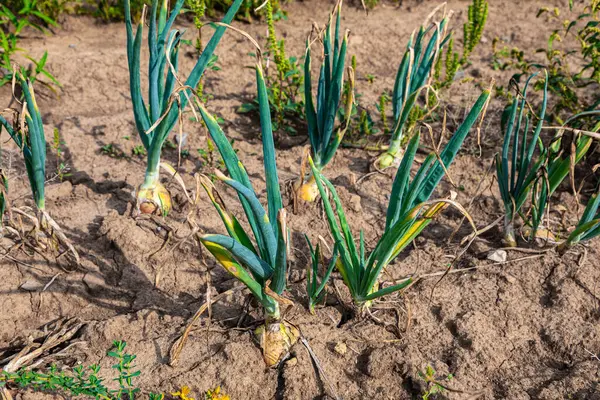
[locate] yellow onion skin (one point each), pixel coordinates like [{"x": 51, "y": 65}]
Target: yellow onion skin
[
  {"x": 308, "y": 191},
  {"x": 154, "y": 200},
  {"x": 276, "y": 339}
]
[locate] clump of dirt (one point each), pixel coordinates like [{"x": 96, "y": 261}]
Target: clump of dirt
[{"x": 521, "y": 329}]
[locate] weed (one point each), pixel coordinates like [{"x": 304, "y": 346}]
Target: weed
[
  {"x": 473, "y": 28},
  {"x": 82, "y": 381},
  {"x": 62, "y": 170},
  {"x": 12, "y": 25},
  {"x": 433, "y": 386},
  {"x": 112, "y": 151},
  {"x": 284, "y": 81},
  {"x": 139, "y": 151}
]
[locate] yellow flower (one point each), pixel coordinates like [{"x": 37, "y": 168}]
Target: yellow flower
[
  {"x": 183, "y": 393},
  {"x": 216, "y": 394}
]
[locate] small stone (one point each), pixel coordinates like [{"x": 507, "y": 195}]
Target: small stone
[
  {"x": 94, "y": 281},
  {"x": 291, "y": 362},
  {"x": 510, "y": 279},
  {"x": 497, "y": 256},
  {"x": 182, "y": 138},
  {"x": 31, "y": 286},
  {"x": 355, "y": 203},
  {"x": 340, "y": 348}
]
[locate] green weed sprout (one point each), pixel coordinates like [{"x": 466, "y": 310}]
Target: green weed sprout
[
  {"x": 155, "y": 120},
  {"x": 413, "y": 74},
  {"x": 314, "y": 288},
  {"x": 30, "y": 138},
  {"x": 324, "y": 137},
  {"x": 473, "y": 28},
  {"x": 83, "y": 381},
  {"x": 262, "y": 265},
  {"x": 409, "y": 211},
  {"x": 588, "y": 226}
]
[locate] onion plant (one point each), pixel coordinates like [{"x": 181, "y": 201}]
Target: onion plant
[
  {"x": 30, "y": 138},
  {"x": 588, "y": 226},
  {"x": 324, "y": 136},
  {"x": 261, "y": 265},
  {"x": 314, "y": 288},
  {"x": 517, "y": 169},
  {"x": 527, "y": 166},
  {"x": 155, "y": 120},
  {"x": 409, "y": 211},
  {"x": 560, "y": 162},
  {"x": 412, "y": 77}
]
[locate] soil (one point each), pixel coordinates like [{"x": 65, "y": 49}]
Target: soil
[{"x": 520, "y": 330}]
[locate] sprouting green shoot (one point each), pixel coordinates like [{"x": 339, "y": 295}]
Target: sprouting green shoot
[
  {"x": 314, "y": 288},
  {"x": 409, "y": 212},
  {"x": 156, "y": 118}
]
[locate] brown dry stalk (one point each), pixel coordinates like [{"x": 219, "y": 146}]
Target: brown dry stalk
[{"x": 178, "y": 345}]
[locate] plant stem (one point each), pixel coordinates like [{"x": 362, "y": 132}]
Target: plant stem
[
  {"x": 152, "y": 170},
  {"x": 509, "y": 231},
  {"x": 271, "y": 309}
]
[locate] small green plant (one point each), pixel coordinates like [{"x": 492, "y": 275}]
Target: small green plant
[
  {"x": 433, "y": 386},
  {"x": 570, "y": 72},
  {"x": 215, "y": 394},
  {"x": 504, "y": 58},
  {"x": 473, "y": 28},
  {"x": 112, "y": 150},
  {"x": 138, "y": 151},
  {"x": 12, "y": 25},
  {"x": 82, "y": 381},
  {"x": 114, "y": 10},
  {"x": 314, "y": 288},
  {"x": 409, "y": 211},
  {"x": 451, "y": 65},
  {"x": 284, "y": 80},
  {"x": 54, "y": 9},
  {"x": 62, "y": 170}
]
